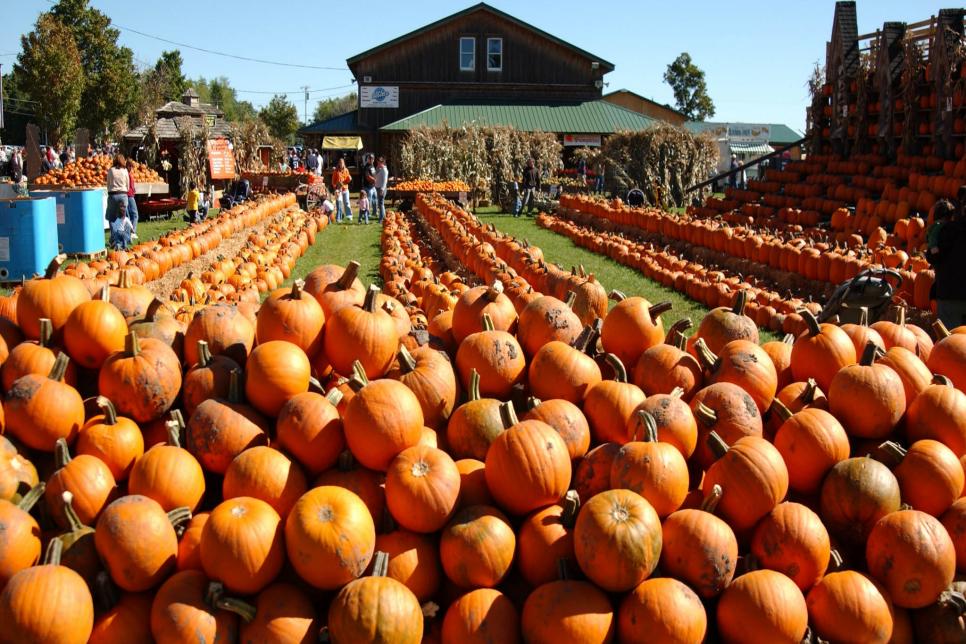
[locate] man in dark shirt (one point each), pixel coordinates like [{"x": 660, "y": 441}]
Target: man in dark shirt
[
  {"x": 531, "y": 181},
  {"x": 369, "y": 179},
  {"x": 949, "y": 261}
]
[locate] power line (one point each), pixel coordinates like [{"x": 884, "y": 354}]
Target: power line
[{"x": 293, "y": 91}]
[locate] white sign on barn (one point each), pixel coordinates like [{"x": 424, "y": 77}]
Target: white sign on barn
[{"x": 379, "y": 96}]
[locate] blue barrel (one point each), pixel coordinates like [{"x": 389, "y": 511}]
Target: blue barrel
[
  {"x": 80, "y": 219},
  {"x": 28, "y": 237}
]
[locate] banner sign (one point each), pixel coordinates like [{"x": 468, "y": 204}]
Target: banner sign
[
  {"x": 582, "y": 140},
  {"x": 221, "y": 159},
  {"x": 379, "y": 96}
]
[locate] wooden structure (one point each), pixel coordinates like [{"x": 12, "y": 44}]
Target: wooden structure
[{"x": 646, "y": 106}]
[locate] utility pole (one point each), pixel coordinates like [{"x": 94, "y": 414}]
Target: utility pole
[{"x": 305, "y": 108}]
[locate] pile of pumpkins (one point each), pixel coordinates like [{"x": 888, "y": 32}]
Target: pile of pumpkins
[{"x": 532, "y": 472}]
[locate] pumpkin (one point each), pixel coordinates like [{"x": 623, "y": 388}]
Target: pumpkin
[
  {"x": 429, "y": 374},
  {"x": 528, "y": 465},
  {"x": 862, "y": 334},
  {"x": 17, "y": 474},
  {"x": 473, "y": 489},
  {"x": 546, "y": 319},
  {"x": 129, "y": 620},
  {"x": 189, "y": 547},
  {"x": 20, "y": 537},
  {"x": 792, "y": 540},
  {"x": 939, "y": 413},
  {"x": 546, "y": 537},
  {"x": 481, "y": 616},
  {"x": 868, "y": 398},
  {"x": 762, "y": 606},
  {"x": 810, "y": 442},
  {"x": 479, "y": 301},
  {"x": 168, "y": 474},
  {"x": 115, "y": 440},
  {"x": 780, "y": 353},
  {"x": 79, "y": 552},
  {"x": 208, "y": 378},
  {"x": 566, "y": 419},
  {"x": 39, "y": 410},
  {"x": 382, "y": 420},
  {"x": 666, "y": 367},
  {"x": 610, "y": 404},
  {"x": 241, "y": 545},
  {"x": 186, "y": 607},
  {"x": 929, "y": 474},
  {"x": 912, "y": 556},
  {"x": 727, "y": 410},
  {"x": 943, "y": 621},
  {"x": 632, "y": 327},
  {"x": 617, "y": 540},
  {"x": 954, "y": 520},
  {"x": 266, "y": 474},
  {"x": 283, "y": 613},
  {"x": 895, "y": 334},
  {"x": 848, "y": 606},
  {"x": 376, "y": 609},
  {"x": 663, "y": 610},
  {"x": 948, "y": 356},
  {"x": 474, "y": 424},
  {"x": 291, "y": 315},
  {"x": 724, "y": 324},
  {"x": 275, "y": 371},
  {"x": 136, "y": 540},
  {"x": 54, "y": 297},
  {"x": 219, "y": 430},
  {"x": 310, "y": 429},
  {"x": 329, "y": 537},
  {"x": 143, "y": 380},
  {"x": 87, "y": 478},
  {"x": 94, "y": 330},
  {"x": 413, "y": 560},
  {"x": 47, "y": 603},
  {"x": 744, "y": 364},
  {"x": 567, "y": 611},
  {"x": 592, "y": 473},
  {"x": 914, "y": 374},
  {"x": 367, "y": 484},
  {"x": 363, "y": 333},
  {"x": 166, "y": 328},
  {"x": 821, "y": 352},
  {"x": 335, "y": 287},
  {"x": 496, "y": 356},
  {"x": 563, "y": 371},
  {"x": 699, "y": 548},
  {"x": 656, "y": 471},
  {"x": 34, "y": 357},
  {"x": 753, "y": 476},
  {"x": 422, "y": 487},
  {"x": 226, "y": 330},
  {"x": 132, "y": 300},
  {"x": 855, "y": 494},
  {"x": 476, "y": 548}
]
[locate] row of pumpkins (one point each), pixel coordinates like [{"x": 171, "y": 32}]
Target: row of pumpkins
[
  {"x": 90, "y": 172},
  {"x": 324, "y": 468}
]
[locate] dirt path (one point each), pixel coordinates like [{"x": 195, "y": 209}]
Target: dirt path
[{"x": 166, "y": 284}]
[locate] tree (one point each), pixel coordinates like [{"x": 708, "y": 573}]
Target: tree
[
  {"x": 110, "y": 79},
  {"x": 49, "y": 70},
  {"x": 329, "y": 107},
  {"x": 690, "y": 91},
  {"x": 168, "y": 68},
  {"x": 281, "y": 117},
  {"x": 219, "y": 92}
]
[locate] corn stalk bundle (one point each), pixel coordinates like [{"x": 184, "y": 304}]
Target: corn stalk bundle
[
  {"x": 663, "y": 161},
  {"x": 864, "y": 79},
  {"x": 509, "y": 150},
  {"x": 193, "y": 161},
  {"x": 247, "y": 138},
  {"x": 816, "y": 109},
  {"x": 914, "y": 66}
]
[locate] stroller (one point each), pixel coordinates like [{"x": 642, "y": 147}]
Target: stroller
[
  {"x": 635, "y": 198},
  {"x": 869, "y": 290},
  {"x": 239, "y": 193}
]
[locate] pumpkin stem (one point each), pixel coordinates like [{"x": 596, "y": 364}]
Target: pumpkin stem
[
  {"x": 940, "y": 329},
  {"x": 710, "y": 502},
  {"x": 29, "y": 500},
  {"x": 532, "y": 403},
  {"x": 649, "y": 424},
  {"x": 315, "y": 385},
  {"x": 474, "y": 392},
  {"x": 954, "y": 601},
  {"x": 620, "y": 373},
  {"x": 869, "y": 354},
  {"x": 810, "y": 321},
  {"x": 583, "y": 273},
  {"x": 586, "y": 341},
  {"x": 901, "y": 316},
  {"x": 788, "y": 338},
  {"x": 617, "y": 296},
  {"x": 60, "y": 367},
  {"x": 380, "y": 564},
  {"x": 234, "y": 386},
  {"x": 487, "y": 322},
  {"x": 61, "y": 453},
  {"x": 107, "y": 408},
  {"x": 174, "y": 433},
  {"x": 76, "y": 525},
  {"x": 508, "y": 415},
  {"x": 939, "y": 379},
  {"x": 371, "y": 296},
  {"x": 894, "y": 451},
  {"x": 105, "y": 293},
  {"x": 215, "y": 598},
  {"x": 359, "y": 378},
  {"x": 494, "y": 291},
  {"x": 808, "y": 393},
  {"x": 204, "y": 354},
  {"x": 741, "y": 299},
  {"x": 132, "y": 346},
  {"x": 334, "y": 397},
  {"x": 571, "y": 298},
  {"x": 717, "y": 444},
  {"x": 54, "y": 266},
  {"x": 706, "y": 415},
  {"x": 297, "y": 287},
  {"x": 105, "y": 592},
  {"x": 123, "y": 281},
  {"x": 677, "y": 392},
  {"x": 348, "y": 275},
  {"x": 863, "y": 316},
  {"x": 429, "y": 609},
  {"x": 46, "y": 331},
  {"x": 707, "y": 358},
  {"x": 778, "y": 408},
  {"x": 54, "y": 550},
  {"x": 407, "y": 363},
  {"x": 677, "y": 329},
  {"x": 659, "y": 308},
  {"x": 836, "y": 560},
  {"x": 347, "y": 462},
  {"x": 179, "y": 518},
  {"x": 151, "y": 314},
  {"x": 571, "y": 507}
]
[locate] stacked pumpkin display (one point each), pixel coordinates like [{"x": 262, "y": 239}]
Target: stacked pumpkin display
[
  {"x": 91, "y": 172},
  {"x": 544, "y": 469}
]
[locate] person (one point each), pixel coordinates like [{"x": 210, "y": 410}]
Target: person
[
  {"x": 16, "y": 166},
  {"x": 942, "y": 212},
  {"x": 312, "y": 163},
  {"x": 531, "y": 181},
  {"x": 132, "y": 206},
  {"x": 117, "y": 188},
  {"x": 733, "y": 177},
  {"x": 381, "y": 183},
  {"x": 369, "y": 178},
  {"x": 340, "y": 190},
  {"x": 363, "y": 206},
  {"x": 121, "y": 231},
  {"x": 64, "y": 157},
  {"x": 599, "y": 180},
  {"x": 46, "y": 165},
  {"x": 949, "y": 262},
  {"x": 517, "y": 203},
  {"x": 328, "y": 208},
  {"x": 582, "y": 172},
  {"x": 283, "y": 166},
  {"x": 192, "y": 202}
]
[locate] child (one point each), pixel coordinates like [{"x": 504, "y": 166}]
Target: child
[
  {"x": 942, "y": 212},
  {"x": 121, "y": 229},
  {"x": 363, "y": 206},
  {"x": 192, "y": 201},
  {"x": 328, "y": 208}
]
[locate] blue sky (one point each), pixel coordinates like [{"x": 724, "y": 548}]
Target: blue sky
[{"x": 772, "y": 45}]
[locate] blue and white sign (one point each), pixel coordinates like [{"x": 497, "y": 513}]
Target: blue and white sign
[{"x": 379, "y": 96}]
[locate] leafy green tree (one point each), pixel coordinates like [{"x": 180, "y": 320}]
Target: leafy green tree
[
  {"x": 49, "y": 70},
  {"x": 168, "y": 68},
  {"x": 690, "y": 89},
  {"x": 110, "y": 79},
  {"x": 281, "y": 117},
  {"x": 218, "y": 91},
  {"x": 329, "y": 107}
]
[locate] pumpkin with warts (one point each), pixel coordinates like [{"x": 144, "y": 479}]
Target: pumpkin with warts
[
  {"x": 226, "y": 330},
  {"x": 496, "y": 356},
  {"x": 727, "y": 410},
  {"x": 422, "y": 487},
  {"x": 428, "y": 374},
  {"x": 39, "y": 410},
  {"x": 666, "y": 367},
  {"x": 566, "y": 419},
  {"x": 655, "y": 470},
  {"x": 242, "y": 545},
  {"x": 143, "y": 380},
  {"x": 546, "y": 319}
]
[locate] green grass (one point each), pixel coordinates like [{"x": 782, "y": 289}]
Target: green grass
[
  {"x": 611, "y": 274},
  {"x": 340, "y": 244}
]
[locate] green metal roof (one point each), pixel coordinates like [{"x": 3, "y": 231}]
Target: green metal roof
[
  {"x": 779, "y": 133},
  {"x": 341, "y": 124},
  {"x": 593, "y": 117},
  {"x": 473, "y": 9}
]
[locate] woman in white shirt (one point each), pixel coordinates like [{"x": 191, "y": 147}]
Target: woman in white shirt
[{"x": 118, "y": 183}]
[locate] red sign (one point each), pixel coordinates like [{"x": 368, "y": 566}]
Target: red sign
[{"x": 221, "y": 160}]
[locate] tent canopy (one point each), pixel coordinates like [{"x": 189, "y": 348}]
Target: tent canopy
[{"x": 342, "y": 143}]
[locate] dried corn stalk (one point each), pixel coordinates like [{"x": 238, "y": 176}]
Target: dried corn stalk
[
  {"x": 193, "y": 161},
  {"x": 913, "y": 68},
  {"x": 815, "y": 114},
  {"x": 247, "y": 139}
]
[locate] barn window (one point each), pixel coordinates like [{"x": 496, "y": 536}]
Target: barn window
[
  {"x": 494, "y": 54},
  {"x": 467, "y": 54}
]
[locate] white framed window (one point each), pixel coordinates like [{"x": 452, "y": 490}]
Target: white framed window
[
  {"x": 494, "y": 54},
  {"x": 467, "y": 53}
]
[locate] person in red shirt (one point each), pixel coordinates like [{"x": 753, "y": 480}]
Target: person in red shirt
[
  {"x": 132, "y": 206},
  {"x": 341, "y": 180}
]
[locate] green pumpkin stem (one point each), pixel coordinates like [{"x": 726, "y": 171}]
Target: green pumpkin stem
[
  {"x": 407, "y": 363},
  {"x": 372, "y": 297},
  {"x": 132, "y": 345},
  {"x": 235, "y": 386},
  {"x": 706, "y": 415},
  {"x": 107, "y": 408},
  {"x": 474, "y": 392},
  {"x": 940, "y": 330},
  {"x": 46, "y": 331},
  {"x": 380, "y": 564},
  {"x": 76, "y": 525},
  {"x": 620, "y": 373},
  {"x": 179, "y": 518},
  {"x": 508, "y": 415},
  {"x": 54, "y": 550},
  {"x": 215, "y": 597},
  {"x": 359, "y": 378},
  {"x": 648, "y": 423},
  {"x": 658, "y": 309},
  {"x": 711, "y": 500},
  {"x": 204, "y": 354},
  {"x": 487, "y": 322},
  {"x": 717, "y": 444},
  {"x": 741, "y": 299},
  {"x": 334, "y": 397},
  {"x": 677, "y": 392},
  {"x": 61, "y": 453},
  {"x": 60, "y": 367},
  {"x": 29, "y": 500},
  {"x": 348, "y": 276}
]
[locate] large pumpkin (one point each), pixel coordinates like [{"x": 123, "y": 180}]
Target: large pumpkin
[
  {"x": 39, "y": 410},
  {"x": 143, "y": 380},
  {"x": 275, "y": 371},
  {"x": 335, "y": 287},
  {"x": 762, "y": 606},
  {"x": 383, "y": 419},
  {"x": 241, "y": 545},
  {"x": 54, "y": 296}
]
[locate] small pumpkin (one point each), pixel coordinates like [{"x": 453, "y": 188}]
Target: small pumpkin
[
  {"x": 422, "y": 488},
  {"x": 610, "y": 404},
  {"x": 632, "y": 327},
  {"x": 655, "y": 470},
  {"x": 565, "y": 371},
  {"x": 567, "y": 610},
  {"x": 848, "y": 606},
  {"x": 208, "y": 378},
  {"x": 54, "y": 297},
  {"x": 363, "y": 333},
  {"x": 39, "y": 410},
  {"x": 169, "y": 474},
  {"x": 475, "y": 424},
  {"x": 143, "y": 380},
  {"x": 929, "y": 474},
  {"x": 115, "y": 440},
  {"x": 868, "y": 398},
  {"x": 792, "y": 540},
  {"x": 291, "y": 315},
  {"x": 546, "y": 537},
  {"x": 661, "y": 609},
  {"x": 821, "y": 352},
  {"x": 242, "y": 545},
  {"x": 20, "y": 545},
  {"x": 496, "y": 356},
  {"x": 429, "y": 374},
  {"x": 266, "y": 474},
  {"x": 94, "y": 330},
  {"x": 762, "y": 606},
  {"x": 855, "y": 494},
  {"x": 477, "y": 547},
  {"x": 566, "y": 419},
  {"x": 309, "y": 428},
  {"x": 480, "y": 616},
  {"x": 86, "y": 477},
  {"x": 811, "y": 442}
]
